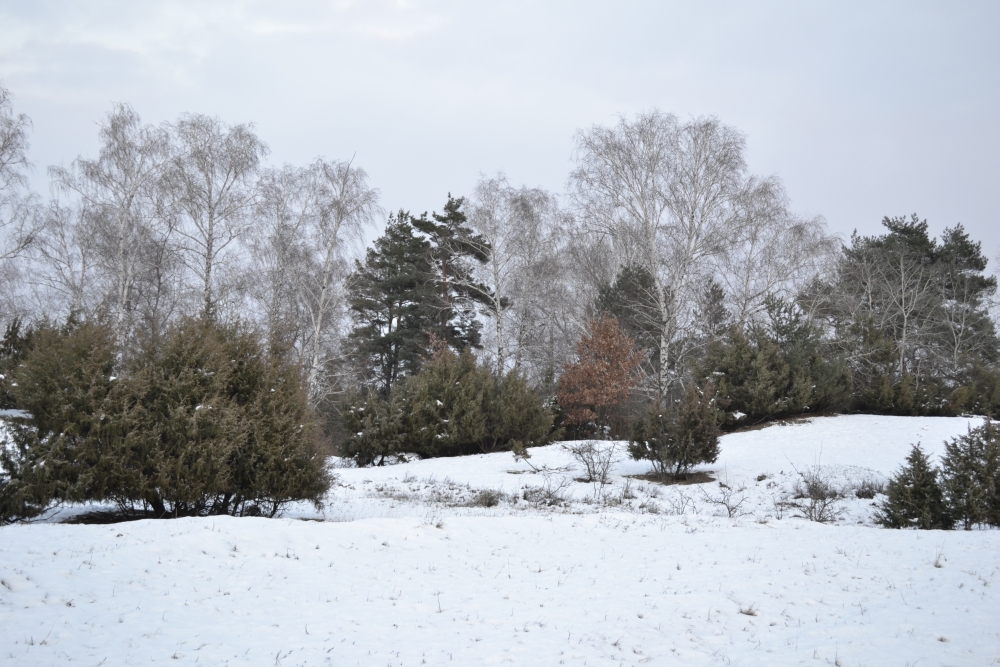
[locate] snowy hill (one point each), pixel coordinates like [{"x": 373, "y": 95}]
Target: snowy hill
[{"x": 486, "y": 560}]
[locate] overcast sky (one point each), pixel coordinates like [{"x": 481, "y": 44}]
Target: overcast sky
[{"x": 863, "y": 109}]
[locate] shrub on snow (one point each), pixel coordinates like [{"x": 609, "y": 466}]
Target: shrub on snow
[{"x": 205, "y": 422}]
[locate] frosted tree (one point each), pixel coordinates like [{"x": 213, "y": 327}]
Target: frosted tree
[
  {"x": 309, "y": 218},
  {"x": 120, "y": 195},
  {"x": 676, "y": 199},
  {"x": 212, "y": 178}
]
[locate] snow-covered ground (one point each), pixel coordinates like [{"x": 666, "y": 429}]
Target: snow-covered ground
[{"x": 483, "y": 560}]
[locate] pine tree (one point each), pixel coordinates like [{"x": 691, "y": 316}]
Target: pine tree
[
  {"x": 912, "y": 316},
  {"x": 914, "y": 498},
  {"x": 454, "y": 246},
  {"x": 713, "y": 317},
  {"x": 394, "y": 303},
  {"x": 414, "y": 284},
  {"x": 631, "y": 300}
]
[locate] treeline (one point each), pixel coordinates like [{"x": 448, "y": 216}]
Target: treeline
[{"x": 667, "y": 280}]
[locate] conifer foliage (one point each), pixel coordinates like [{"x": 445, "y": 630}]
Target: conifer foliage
[
  {"x": 777, "y": 368},
  {"x": 914, "y": 498},
  {"x": 415, "y": 284},
  {"x": 680, "y": 436},
  {"x": 453, "y": 406},
  {"x": 208, "y": 422},
  {"x": 965, "y": 491},
  {"x": 971, "y": 476}
]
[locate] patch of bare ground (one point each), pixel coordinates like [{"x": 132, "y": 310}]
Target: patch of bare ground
[
  {"x": 787, "y": 421},
  {"x": 106, "y": 516},
  {"x": 680, "y": 480}
]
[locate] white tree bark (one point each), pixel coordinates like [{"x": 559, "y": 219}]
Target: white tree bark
[
  {"x": 121, "y": 203},
  {"x": 212, "y": 178},
  {"x": 310, "y": 218}
]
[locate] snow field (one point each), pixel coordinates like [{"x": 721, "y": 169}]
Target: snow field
[
  {"x": 611, "y": 589},
  {"x": 407, "y": 569},
  {"x": 760, "y": 467}
]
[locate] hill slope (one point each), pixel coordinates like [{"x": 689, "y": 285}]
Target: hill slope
[{"x": 598, "y": 578}]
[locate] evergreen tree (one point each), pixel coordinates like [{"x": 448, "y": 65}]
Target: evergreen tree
[
  {"x": 680, "y": 436},
  {"x": 777, "y": 368},
  {"x": 208, "y": 423},
  {"x": 914, "y": 498},
  {"x": 64, "y": 382},
  {"x": 444, "y": 405},
  {"x": 453, "y": 406},
  {"x": 971, "y": 476},
  {"x": 394, "y": 304},
  {"x": 373, "y": 428},
  {"x": 713, "y": 317},
  {"x": 416, "y": 283},
  {"x": 631, "y": 300},
  {"x": 454, "y": 246},
  {"x": 911, "y": 313},
  {"x": 16, "y": 341}
]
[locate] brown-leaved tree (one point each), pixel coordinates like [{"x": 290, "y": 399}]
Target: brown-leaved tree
[{"x": 595, "y": 390}]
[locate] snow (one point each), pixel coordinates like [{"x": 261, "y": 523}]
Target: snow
[{"x": 407, "y": 568}]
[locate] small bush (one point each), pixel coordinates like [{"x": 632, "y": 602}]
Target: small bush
[
  {"x": 64, "y": 383},
  {"x": 869, "y": 487},
  {"x": 914, "y": 498},
  {"x": 553, "y": 492},
  {"x": 597, "y": 458},
  {"x": 816, "y": 498},
  {"x": 486, "y": 498},
  {"x": 373, "y": 426},
  {"x": 730, "y": 499},
  {"x": 680, "y": 437}
]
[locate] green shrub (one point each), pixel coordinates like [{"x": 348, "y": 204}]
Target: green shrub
[
  {"x": 777, "y": 369},
  {"x": 680, "y": 437},
  {"x": 971, "y": 476},
  {"x": 65, "y": 384},
  {"x": 207, "y": 423},
  {"x": 372, "y": 427},
  {"x": 914, "y": 498},
  {"x": 453, "y": 406}
]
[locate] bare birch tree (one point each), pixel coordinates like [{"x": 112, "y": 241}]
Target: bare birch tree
[
  {"x": 63, "y": 257},
  {"x": 770, "y": 251},
  {"x": 19, "y": 218},
  {"x": 346, "y": 204},
  {"x": 212, "y": 176},
  {"x": 120, "y": 197},
  {"x": 675, "y": 198},
  {"x": 284, "y": 199},
  {"x": 512, "y": 222},
  {"x": 540, "y": 274},
  {"x": 665, "y": 193},
  {"x": 313, "y": 215},
  {"x": 18, "y": 222}
]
